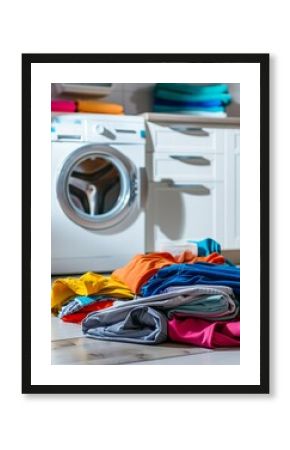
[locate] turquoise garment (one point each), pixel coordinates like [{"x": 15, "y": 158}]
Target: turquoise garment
[
  {"x": 192, "y": 88},
  {"x": 207, "y": 246},
  {"x": 214, "y": 307},
  {"x": 178, "y": 96},
  {"x": 212, "y": 304}
]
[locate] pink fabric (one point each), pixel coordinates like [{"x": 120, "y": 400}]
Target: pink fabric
[
  {"x": 204, "y": 334},
  {"x": 63, "y": 106}
]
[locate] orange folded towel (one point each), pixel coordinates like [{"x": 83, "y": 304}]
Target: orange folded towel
[{"x": 99, "y": 107}]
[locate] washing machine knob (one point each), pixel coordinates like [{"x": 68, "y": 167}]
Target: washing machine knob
[
  {"x": 99, "y": 129},
  {"x": 102, "y": 131}
]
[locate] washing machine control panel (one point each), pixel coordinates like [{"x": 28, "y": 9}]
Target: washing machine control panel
[
  {"x": 63, "y": 129},
  {"x": 115, "y": 131},
  {"x": 96, "y": 129}
]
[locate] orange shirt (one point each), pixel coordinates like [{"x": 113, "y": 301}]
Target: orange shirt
[{"x": 143, "y": 266}]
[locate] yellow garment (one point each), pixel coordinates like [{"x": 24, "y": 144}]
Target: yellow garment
[
  {"x": 99, "y": 107},
  {"x": 87, "y": 284}
]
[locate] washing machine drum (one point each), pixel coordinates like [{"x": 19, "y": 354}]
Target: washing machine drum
[{"x": 97, "y": 187}]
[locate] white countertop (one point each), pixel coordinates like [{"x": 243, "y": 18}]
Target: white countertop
[{"x": 233, "y": 122}]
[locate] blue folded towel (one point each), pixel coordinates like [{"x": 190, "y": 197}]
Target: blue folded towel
[
  {"x": 187, "y": 108},
  {"x": 194, "y": 104}
]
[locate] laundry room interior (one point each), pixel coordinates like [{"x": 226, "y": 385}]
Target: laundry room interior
[{"x": 145, "y": 223}]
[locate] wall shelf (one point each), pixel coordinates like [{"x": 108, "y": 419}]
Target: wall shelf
[{"x": 94, "y": 89}]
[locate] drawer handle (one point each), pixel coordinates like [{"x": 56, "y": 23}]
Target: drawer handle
[
  {"x": 194, "y": 160},
  {"x": 192, "y": 131},
  {"x": 196, "y": 189}
]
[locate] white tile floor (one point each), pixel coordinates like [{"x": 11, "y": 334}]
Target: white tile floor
[{"x": 70, "y": 347}]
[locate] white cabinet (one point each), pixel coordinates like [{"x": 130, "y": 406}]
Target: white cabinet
[
  {"x": 185, "y": 211},
  {"x": 187, "y": 167},
  {"x": 232, "y": 189},
  {"x": 194, "y": 189},
  {"x": 188, "y": 137}
]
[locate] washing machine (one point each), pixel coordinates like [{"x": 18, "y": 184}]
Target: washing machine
[{"x": 99, "y": 191}]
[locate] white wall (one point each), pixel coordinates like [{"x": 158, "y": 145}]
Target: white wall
[
  {"x": 234, "y": 108},
  {"x": 136, "y": 97}
]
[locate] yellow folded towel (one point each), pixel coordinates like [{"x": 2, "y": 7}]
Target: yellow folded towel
[{"x": 99, "y": 107}]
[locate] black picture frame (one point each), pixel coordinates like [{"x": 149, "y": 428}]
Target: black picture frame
[{"x": 263, "y": 61}]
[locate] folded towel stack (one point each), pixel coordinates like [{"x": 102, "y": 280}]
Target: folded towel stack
[
  {"x": 194, "y": 99},
  {"x": 86, "y": 106}
]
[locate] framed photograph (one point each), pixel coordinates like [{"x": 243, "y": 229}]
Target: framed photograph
[{"x": 145, "y": 229}]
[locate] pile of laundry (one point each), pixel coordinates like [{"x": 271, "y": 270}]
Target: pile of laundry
[
  {"x": 195, "y": 99},
  {"x": 86, "y": 106},
  {"x": 187, "y": 298}
]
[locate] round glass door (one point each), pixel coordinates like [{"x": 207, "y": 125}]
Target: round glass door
[{"x": 96, "y": 187}]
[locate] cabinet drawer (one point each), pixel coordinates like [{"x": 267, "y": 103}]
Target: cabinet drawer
[
  {"x": 193, "y": 166},
  {"x": 190, "y": 136}
]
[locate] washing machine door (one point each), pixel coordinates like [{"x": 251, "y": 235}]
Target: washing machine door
[{"x": 97, "y": 187}]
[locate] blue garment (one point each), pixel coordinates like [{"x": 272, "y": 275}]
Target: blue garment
[
  {"x": 193, "y": 88},
  {"x": 194, "y": 104},
  {"x": 207, "y": 246},
  {"x": 192, "y": 274}
]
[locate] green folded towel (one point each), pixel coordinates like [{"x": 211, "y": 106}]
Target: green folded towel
[
  {"x": 193, "y": 88},
  {"x": 178, "y": 96}
]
